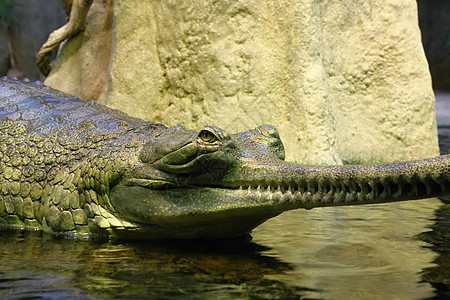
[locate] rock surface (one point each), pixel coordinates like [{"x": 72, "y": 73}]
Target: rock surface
[{"x": 342, "y": 81}]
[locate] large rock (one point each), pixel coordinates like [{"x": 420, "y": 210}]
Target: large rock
[{"x": 343, "y": 81}]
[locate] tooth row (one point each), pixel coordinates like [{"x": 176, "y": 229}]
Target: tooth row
[{"x": 362, "y": 190}]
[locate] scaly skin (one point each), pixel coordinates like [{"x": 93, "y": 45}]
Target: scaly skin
[{"x": 73, "y": 167}]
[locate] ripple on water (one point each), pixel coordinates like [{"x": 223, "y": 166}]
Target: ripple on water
[
  {"x": 38, "y": 285},
  {"x": 348, "y": 252}
]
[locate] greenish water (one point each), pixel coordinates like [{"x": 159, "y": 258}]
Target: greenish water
[{"x": 387, "y": 251}]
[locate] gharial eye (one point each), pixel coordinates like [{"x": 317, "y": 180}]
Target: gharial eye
[{"x": 207, "y": 136}]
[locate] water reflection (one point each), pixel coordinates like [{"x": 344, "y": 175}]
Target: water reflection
[
  {"x": 439, "y": 238},
  {"x": 371, "y": 252},
  {"x": 35, "y": 266}
]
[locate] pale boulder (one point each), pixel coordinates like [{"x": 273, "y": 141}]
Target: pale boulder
[{"x": 343, "y": 81}]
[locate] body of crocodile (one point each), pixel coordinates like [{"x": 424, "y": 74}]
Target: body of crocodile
[{"x": 74, "y": 167}]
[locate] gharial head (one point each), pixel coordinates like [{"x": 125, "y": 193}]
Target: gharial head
[
  {"x": 211, "y": 184},
  {"x": 209, "y": 154},
  {"x": 189, "y": 184}
]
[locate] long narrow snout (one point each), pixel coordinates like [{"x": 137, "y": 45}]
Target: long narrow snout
[
  {"x": 253, "y": 192},
  {"x": 315, "y": 186}
]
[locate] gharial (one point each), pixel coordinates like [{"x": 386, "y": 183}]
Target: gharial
[{"x": 75, "y": 167}]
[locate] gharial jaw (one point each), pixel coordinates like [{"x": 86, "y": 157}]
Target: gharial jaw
[
  {"x": 252, "y": 193},
  {"x": 208, "y": 213}
]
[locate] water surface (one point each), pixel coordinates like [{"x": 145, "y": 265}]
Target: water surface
[{"x": 373, "y": 252}]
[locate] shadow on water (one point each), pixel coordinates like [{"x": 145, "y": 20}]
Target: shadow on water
[
  {"x": 439, "y": 236},
  {"x": 439, "y": 239},
  {"x": 40, "y": 266}
]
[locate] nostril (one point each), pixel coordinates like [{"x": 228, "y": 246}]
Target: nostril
[
  {"x": 281, "y": 154},
  {"x": 269, "y": 131},
  {"x": 271, "y": 138}
]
